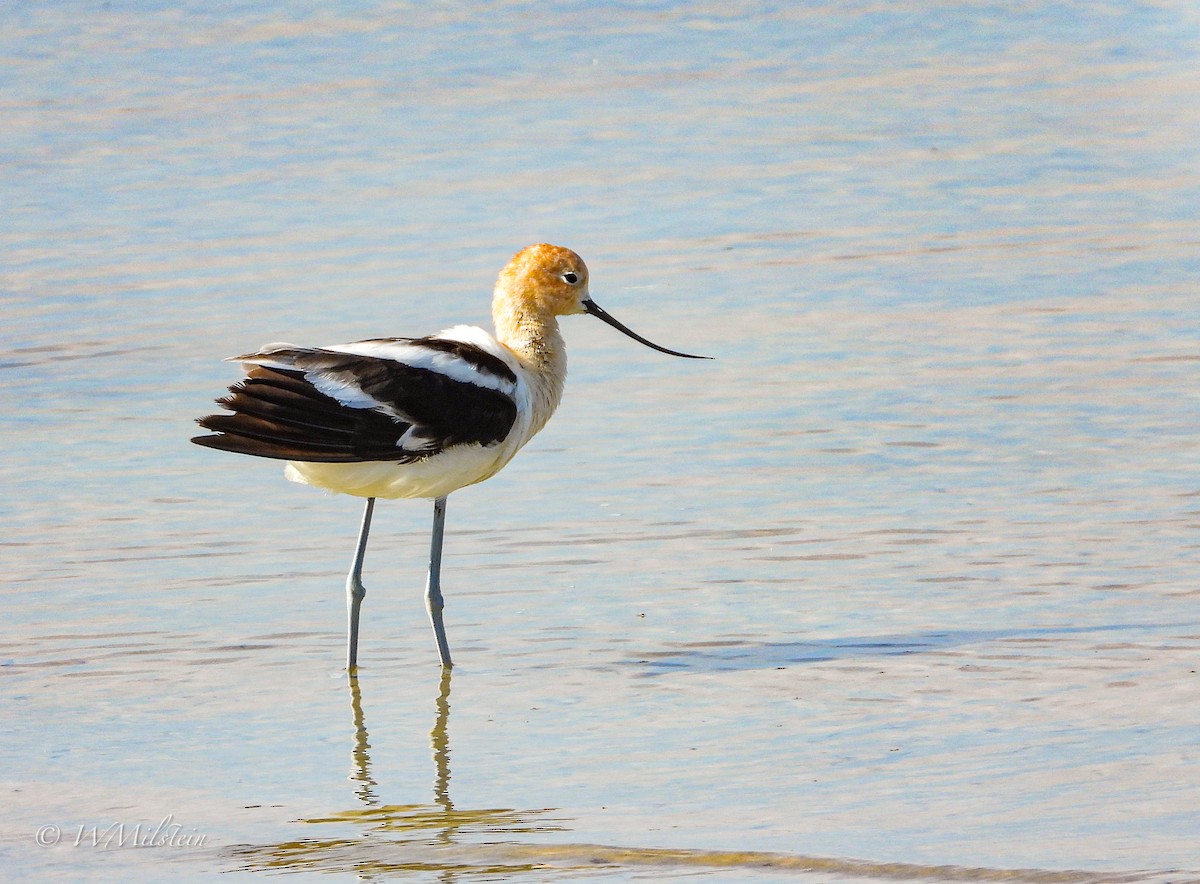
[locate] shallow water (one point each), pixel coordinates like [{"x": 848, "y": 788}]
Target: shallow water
[{"x": 903, "y": 586}]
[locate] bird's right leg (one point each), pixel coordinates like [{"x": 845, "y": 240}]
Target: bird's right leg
[{"x": 355, "y": 591}]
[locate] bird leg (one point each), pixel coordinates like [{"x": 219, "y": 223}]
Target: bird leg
[
  {"x": 355, "y": 591},
  {"x": 433, "y": 587}
]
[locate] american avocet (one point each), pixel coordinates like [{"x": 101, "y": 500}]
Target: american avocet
[{"x": 415, "y": 417}]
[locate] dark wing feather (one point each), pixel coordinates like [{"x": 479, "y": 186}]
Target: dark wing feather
[
  {"x": 386, "y": 410},
  {"x": 279, "y": 414}
]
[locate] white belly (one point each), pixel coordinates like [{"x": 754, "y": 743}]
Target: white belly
[{"x": 435, "y": 477}]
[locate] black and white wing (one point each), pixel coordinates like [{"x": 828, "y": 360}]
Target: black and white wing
[{"x": 389, "y": 399}]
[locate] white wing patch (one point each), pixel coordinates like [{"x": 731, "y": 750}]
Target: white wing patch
[
  {"x": 448, "y": 364},
  {"x": 336, "y": 386}
]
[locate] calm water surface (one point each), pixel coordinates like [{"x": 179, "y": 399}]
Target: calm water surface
[{"x": 904, "y": 586}]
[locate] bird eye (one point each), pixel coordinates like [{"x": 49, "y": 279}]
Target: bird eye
[{"x": 570, "y": 277}]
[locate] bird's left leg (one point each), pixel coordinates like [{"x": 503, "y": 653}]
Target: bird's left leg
[
  {"x": 355, "y": 591},
  {"x": 433, "y": 588}
]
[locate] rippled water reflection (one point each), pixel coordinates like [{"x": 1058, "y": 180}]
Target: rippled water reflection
[{"x": 902, "y": 586}]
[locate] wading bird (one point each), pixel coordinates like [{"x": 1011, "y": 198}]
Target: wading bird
[{"x": 414, "y": 417}]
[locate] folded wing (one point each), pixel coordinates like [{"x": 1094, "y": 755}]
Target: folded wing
[{"x": 395, "y": 399}]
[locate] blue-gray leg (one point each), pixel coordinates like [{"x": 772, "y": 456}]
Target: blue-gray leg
[
  {"x": 433, "y": 587},
  {"x": 355, "y": 591}
]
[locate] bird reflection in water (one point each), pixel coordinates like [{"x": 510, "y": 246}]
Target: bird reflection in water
[
  {"x": 466, "y": 845},
  {"x": 405, "y": 837}
]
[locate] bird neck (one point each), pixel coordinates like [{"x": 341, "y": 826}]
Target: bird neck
[
  {"x": 528, "y": 331},
  {"x": 537, "y": 343}
]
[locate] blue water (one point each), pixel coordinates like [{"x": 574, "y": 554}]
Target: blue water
[{"x": 908, "y": 575}]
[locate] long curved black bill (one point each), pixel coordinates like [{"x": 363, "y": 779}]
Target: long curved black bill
[{"x": 596, "y": 310}]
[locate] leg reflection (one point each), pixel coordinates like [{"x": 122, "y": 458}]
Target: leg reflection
[
  {"x": 360, "y": 771},
  {"x": 439, "y": 741},
  {"x": 388, "y": 839}
]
